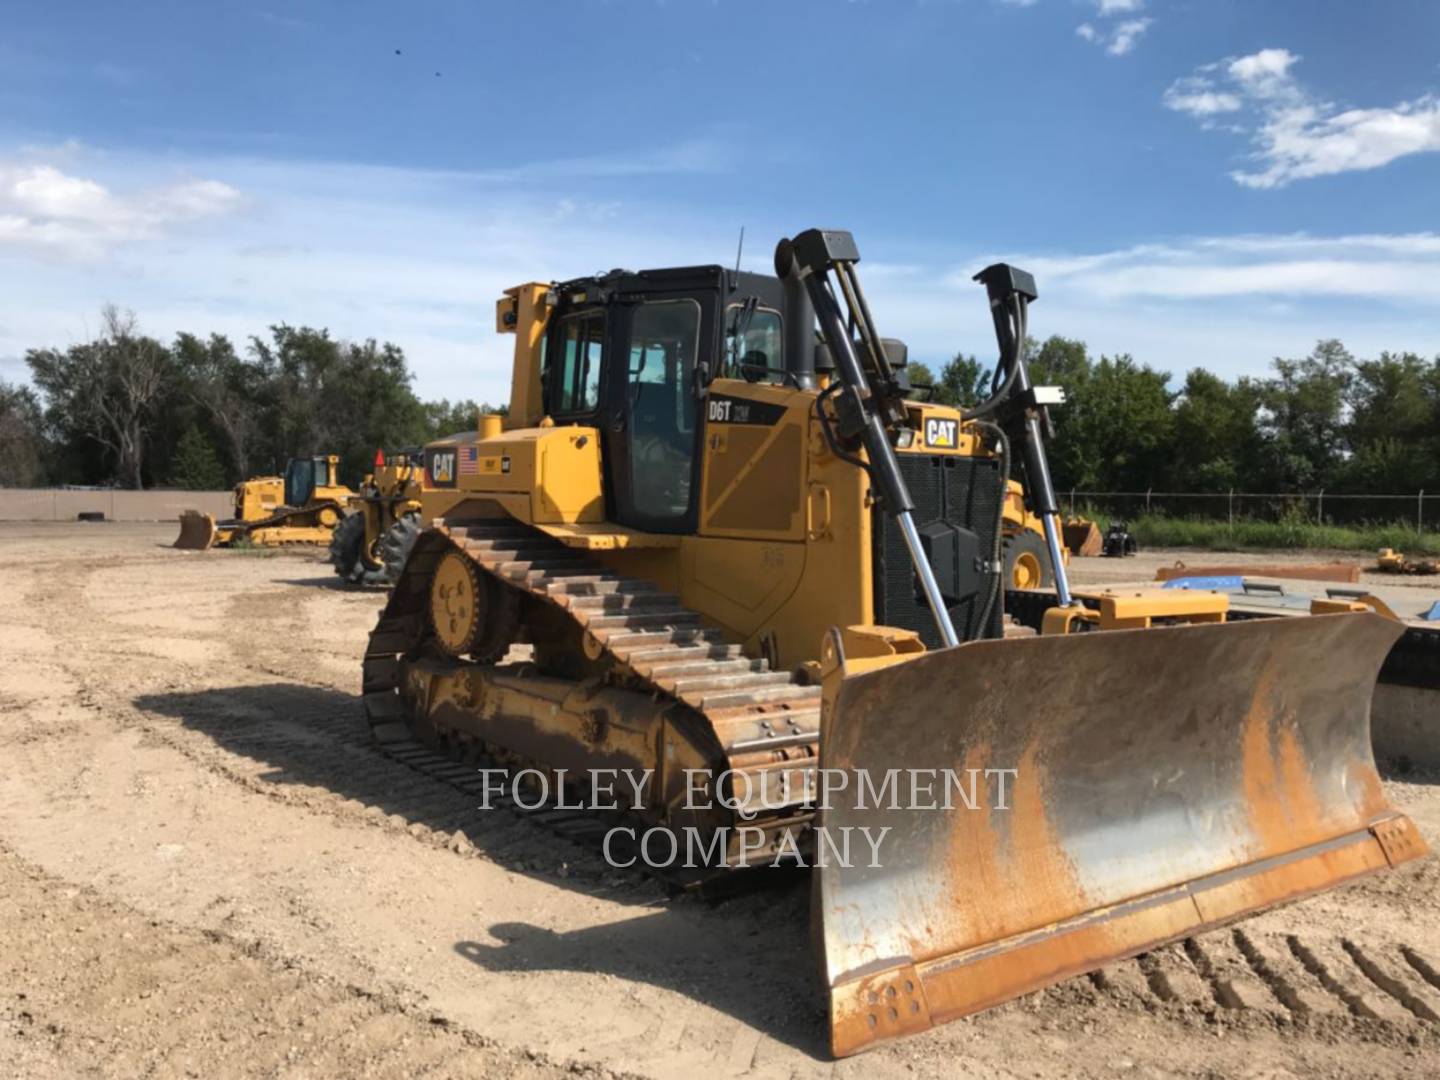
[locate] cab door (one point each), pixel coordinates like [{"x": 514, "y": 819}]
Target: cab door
[
  {"x": 300, "y": 480},
  {"x": 654, "y": 432}
]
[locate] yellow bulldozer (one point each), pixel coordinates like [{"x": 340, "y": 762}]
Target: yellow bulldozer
[
  {"x": 302, "y": 507},
  {"x": 742, "y": 565}
]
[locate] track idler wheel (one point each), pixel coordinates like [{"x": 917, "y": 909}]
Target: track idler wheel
[{"x": 472, "y": 613}]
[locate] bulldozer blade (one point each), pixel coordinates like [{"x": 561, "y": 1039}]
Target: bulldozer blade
[
  {"x": 197, "y": 531},
  {"x": 1164, "y": 781}
]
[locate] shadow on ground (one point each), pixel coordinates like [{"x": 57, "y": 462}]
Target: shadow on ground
[
  {"x": 333, "y": 581},
  {"x": 752, "y": 969},
  {"x": 310, "y": 736},
  {"x": 748, "y": 957}
]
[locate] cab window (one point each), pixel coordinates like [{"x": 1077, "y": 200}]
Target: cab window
[
  {"x": 753, "y": 344},
  {"x": 576, "y": 386},
  {"x": 664, "y": 339}
]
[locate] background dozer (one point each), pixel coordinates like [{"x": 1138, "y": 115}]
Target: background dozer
[
  {"x": 302, "y": 507},
  {"x": 737, "y": 555}
]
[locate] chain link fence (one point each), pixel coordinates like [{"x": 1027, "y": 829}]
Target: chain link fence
[{"x": 1416, "y": 510}]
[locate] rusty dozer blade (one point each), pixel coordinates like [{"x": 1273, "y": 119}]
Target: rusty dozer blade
[
  {"x": 197, "y": 531},
  {"x": 1166, "y": 780}
]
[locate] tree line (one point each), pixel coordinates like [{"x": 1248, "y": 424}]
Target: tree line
[
  {"x": 129, "y": 410},
  {"x": 198, "y": 412},
  {"x": 1323, "y": 422}
]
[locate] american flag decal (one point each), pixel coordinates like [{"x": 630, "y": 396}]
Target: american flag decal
[{"x": 469, "y": 461}]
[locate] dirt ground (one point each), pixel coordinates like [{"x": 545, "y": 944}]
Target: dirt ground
[{"x": 206, "y": 868}]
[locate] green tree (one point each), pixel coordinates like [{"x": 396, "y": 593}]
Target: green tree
[
  {"x": 1060, "y": 361},
  {"x": 1114, "y": 432},
  {"x": 197, "y": 467},
  {"x": 228, "y": 389},
  {"x": 1302, "y": 417},
  {"x": 964, "y": 382},
  {"x": 108, "y": 390},
  {"x": 1065, "y": 363},
  {"x": 326, "y": 396},
  {"x": 22, "y": 439},
  {"x": 444, "y": 418},
  {"x": 1127, "y": 422},
  {"x": 1215, "y": 434},
  {"x": 920, "y": 376},
  {"x": 1394, "y": 427}
]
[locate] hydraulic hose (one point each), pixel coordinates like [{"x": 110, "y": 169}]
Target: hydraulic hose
[
  {"x": 1014, "y": 325},
  {"x": 1002, "y": 443}
]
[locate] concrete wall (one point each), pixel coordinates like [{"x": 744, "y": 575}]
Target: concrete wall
[{"x": 58, "y": 504}]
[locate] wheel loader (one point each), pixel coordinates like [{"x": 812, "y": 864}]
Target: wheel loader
[
  {"x": 302, "y": 507},
  {"x": 747, "y": 570},
  {"x": 370, "y": 545},
  {"x": 1026, "y": 558}
]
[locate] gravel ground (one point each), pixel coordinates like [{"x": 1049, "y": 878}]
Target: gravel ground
[{"x": 207, "y": 869}]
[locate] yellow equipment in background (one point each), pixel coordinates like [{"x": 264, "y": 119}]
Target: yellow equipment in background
[
  {"x": 1027, "y": 562},
  {"x": 746, "y": 566},
  {"x": 1391, "y": 561},
  {"x": 1082, "y": 537},
  {"x": 370, "y": 545},
  {"x": 302, "y": 507}
]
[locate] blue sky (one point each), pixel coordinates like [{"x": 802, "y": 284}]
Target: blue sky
[{"x": 1196, "y": 183}]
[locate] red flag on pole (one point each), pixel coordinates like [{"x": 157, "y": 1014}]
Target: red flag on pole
[{"x": 379, "y": 459}]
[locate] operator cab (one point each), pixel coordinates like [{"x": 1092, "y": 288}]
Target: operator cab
[
  {"x": 632, "y": 353},
  {"x": 302, "y": 476}
]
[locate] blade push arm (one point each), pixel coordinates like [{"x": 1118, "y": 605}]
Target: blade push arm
[
  {"x": 1021, "y": 408},
  {"x": 870, "y": 402}
]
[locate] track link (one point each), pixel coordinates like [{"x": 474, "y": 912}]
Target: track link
[{"x": 766, "y": 722}]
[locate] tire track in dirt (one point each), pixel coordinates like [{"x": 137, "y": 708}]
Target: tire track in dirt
[
  {"x": 1374, "y": 993},
  {"x": 124, "y": 994},
  {"x": 305, "y": 743}
]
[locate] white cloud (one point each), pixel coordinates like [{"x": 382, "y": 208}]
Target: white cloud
[
  {"x": 418, "y": 257},
  {"x": 70, "y": 215},
  {"x": 414, "y": 256},
  {"x": 1296, "y": 135},
  {"x": 1125, "y": 35},
  {"x": 1395, "y": 268},
  {"x": 1117, "y": 36},
  {"x": 1226, "y": 303},
  {"x": 1302, "y": 142},
  {"x": 1197, "y": 98},
  {"x": 1265, "y": 73}
]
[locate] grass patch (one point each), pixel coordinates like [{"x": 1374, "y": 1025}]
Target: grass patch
[
  {"x": 1153, "y": 530},
  {"x": 243, "y": 545}
]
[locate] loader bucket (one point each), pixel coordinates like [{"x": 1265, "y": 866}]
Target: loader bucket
[
  {"x": 1082, "y": 537},
  {"x": 1166, "y": 780},
  {"x": 197, "y": 531}
]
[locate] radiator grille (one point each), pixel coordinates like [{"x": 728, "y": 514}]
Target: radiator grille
[{"x": 961, "y": 491}]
